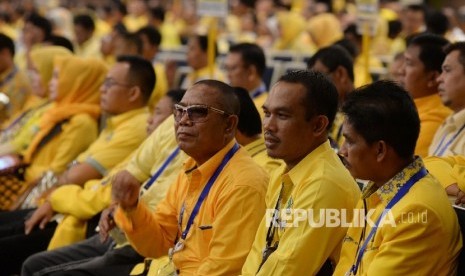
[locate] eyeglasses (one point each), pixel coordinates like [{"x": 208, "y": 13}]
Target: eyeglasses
[
  {"x": 196, "y": 113},
  {"x": 109, "y": 82}
]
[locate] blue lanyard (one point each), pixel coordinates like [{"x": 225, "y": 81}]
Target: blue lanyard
[
  {"x": 259, "y": 91},
  {"x": 162, "y": 168},
  {"x": 9, "y": 76},
  {"x": 441, "y": 149},
  {"x": 205, "y": 192},
  {"x": 400, "y": 194}
]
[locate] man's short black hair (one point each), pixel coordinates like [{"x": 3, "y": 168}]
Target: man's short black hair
[
  {"x": 41, "y": 23},
  {"x": 457, "y": 46},
  {"x": 431, "y": 50},
  {"x": 7, "y": 43},
  {"x": 250, "y": 123},
  {"x": 228, "y": 99},
  {"x": 321, "y": 94},
  {"x": 251, "y": 54},
  {"x": 151, "y": 33},
  {"x": 384, "y": 111},
  {"x": 332, "y": 57},
  {"x": 84, "y": 20},
  {"x": 141, "y": 73}
]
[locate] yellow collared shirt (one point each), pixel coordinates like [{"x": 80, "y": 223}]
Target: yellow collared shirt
[
  {"x": 432, "y": 114},
  {"x": 223, "y": 230},
  {"x": 445, "y": 133},
  {"x": 419, "y": 236},
  {"x": 318, "y": 182},
  {"x": 257, "y": 151},
  {"x": 123, "y": 134}
]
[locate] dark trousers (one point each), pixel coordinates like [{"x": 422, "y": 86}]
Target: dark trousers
[
  {"x": 89, "y": 257},
  {"x": 15, "y": 246}
]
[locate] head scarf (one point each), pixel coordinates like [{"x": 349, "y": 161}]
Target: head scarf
[
  {"x": 325, "y": 29},
  {"x": 43, "y": 57},
  {"x": 78, "y": 86},
  {"x": 291, "y": 26}
]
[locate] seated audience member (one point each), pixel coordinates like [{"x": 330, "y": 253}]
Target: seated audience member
[
  {"x": 245, "y": 65},
  {"x": 124, "y": 103},
  {"x": 336, "y": 63},
  {"x": 204, "y": 229},
  {"x": 298, "y": 115},
  {"x": 249, "y": 132},
  {"x": 449, "y": 138},
  {"x": 151, "y": 39},
  {"x": 19, "y": 131},
  {"x": 13, "y": 81},
  {"x": 197, "y": 59},
  {"x": 422, "y": 66},
  {"x": 404, "y": 205}
]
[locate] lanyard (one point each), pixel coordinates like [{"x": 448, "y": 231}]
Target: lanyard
[
  {"x": 441, "y": 149},
  {"x": 260, "y": 90},
  {"x": 162, "y": 168},
  {"x": 205, "y": 192},
  {"x": 9, "y": 77},
  {"x": 399, "y": 195}
]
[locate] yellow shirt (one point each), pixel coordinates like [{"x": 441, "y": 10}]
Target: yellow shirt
[
  {"x": 90, "y": 48},
  {"x": 80, "y": 204},
  {"x": 14, "y": 83},
  {"x": 223, "y": 230},
  {"x": 444, "y": 143},
  {"x": 420, "y": 235},
  {"x": 318, "y": 182},
  {"x": 20, "y": 134},
  {"x": 161, "y": 85},
  {"x": 448, "y": 170},
  {"x": 122, "y": 134},
  {"x": 432, "y": 114},
  {"x": 336, "y": 130},
  {"x": 259, "y": 97},
  {"x": 76, "y": 136},
  {"x": 257, "y": 151}
]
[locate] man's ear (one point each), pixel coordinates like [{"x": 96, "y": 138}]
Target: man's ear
[
  {"x": 381, "y": 150},
  {"x": 231, "y": 124},
  {"x": 432, "y": 76},
  {"x": 320, "y": 125},
  {"x": 135, "y": 94}
]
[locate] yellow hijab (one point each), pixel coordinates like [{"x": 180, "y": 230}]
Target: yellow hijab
[
  {"x": 42, "y": 58},
  {"x": 325, "y": 29},
  {"x": 291, "y": 26},
  {"x": 78, "y": 88}
]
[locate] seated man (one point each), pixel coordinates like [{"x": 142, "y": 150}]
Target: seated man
[
  {"x": 298, "y": 115},
  {"x": 124, "y": 131},
  {"x": 100, "y": 259},
  {"x": 409, "y": 221},
  {"x": 205, "y": 228},
  {"x": 249, "y": 132}
]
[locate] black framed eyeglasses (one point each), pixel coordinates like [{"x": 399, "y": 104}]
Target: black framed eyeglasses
[
  {"x": 196, "y": 113},
  {"x": 109, "y": 82}
]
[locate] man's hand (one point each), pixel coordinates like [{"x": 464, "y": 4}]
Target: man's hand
[
  {"x": 41, "y": 216},
  {"x": 454, "y": 190},
  {"x": 106, "y": 222},
  {"x": 125, "y": 190}
]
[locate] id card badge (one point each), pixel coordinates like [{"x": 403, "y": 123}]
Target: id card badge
[{"x": 169, "y": 269}]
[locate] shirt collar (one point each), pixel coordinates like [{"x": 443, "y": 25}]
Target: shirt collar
[
  {"x": 116, "y": 120},
  {"x": 305, "y": 166},
  {"x": 255, "y": 147},
  {"x": 258, "y": 91},
  {"x": 388, "y": 190},
  {"x": 457, "y": 119},
  {"x": 207, "y": 169}
]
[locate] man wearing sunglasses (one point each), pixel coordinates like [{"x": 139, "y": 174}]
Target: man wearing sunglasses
[{"x": 208, "y": 219}]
